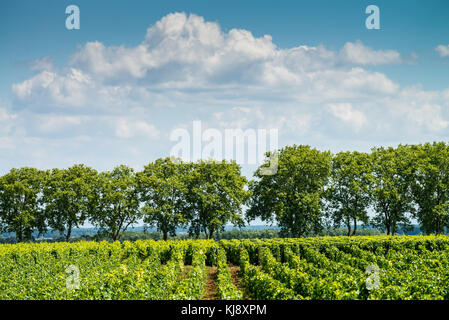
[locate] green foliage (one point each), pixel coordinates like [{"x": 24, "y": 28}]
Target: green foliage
[
  {"x": 117, "y": 205},
  {"x": 324, "y": 268},
  {"x": 393, "y": 174},
  {"x": 431, "y": 186},
  {"x": 192, "y": 286},
  {"x": 69, "y": 199},
  {"x": 261, "y": 285},
  {"x": 311, "y": 193},
  {"x": 216, "y": 196},
  {"x": 293, "y": 196},
  {"x": 335, "y": 268},
  {"x": 21, "y": 202},
  {"x": 226, "y": 290},
  {"x": 162, "y": 188},
  {"x": 348, "y": 194}
]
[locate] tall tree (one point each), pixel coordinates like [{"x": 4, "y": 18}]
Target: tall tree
[
  {"x": 163, "y": 191},
  {"x": 431, "y": 187},
  {"x": 294, "y": 195},
  {"x": 393, "y": 171},
  {"x": 69, "y": 198},
  {"x": 348, "y": 194},
  {"x": 117, "y": 205},
  {"x": 20, "y": 202},
  {"x": 216, "y": 194}
]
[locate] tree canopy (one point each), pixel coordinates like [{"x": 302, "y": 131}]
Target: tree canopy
[
  {"x": 431, "y": 186},
  {"x": 163, "y": 191},
  {"x": 117, "y": 201},
  {"x": 216, "y": 194},
  {"x": 393, "y": 173},
  {"x": 292, "y": 197},
  {"x": 307, "y": 191},
  {"x": 20, "y": 202},
  {"x": 348, "y": 193},
  {"x": 69, "y": 197}
]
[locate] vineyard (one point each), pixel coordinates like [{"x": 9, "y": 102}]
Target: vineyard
[{"x": 330, "y": 268}]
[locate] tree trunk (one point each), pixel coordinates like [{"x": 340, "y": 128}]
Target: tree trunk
[
  {"x": 355, "y": 227},
  {"x": 438, "y": 227},
  {"x": 69, "y": 232},
  {"x": 165, "y": 235},
  {"x": 19, "y": 236},
  {"x": 28, "y": 235}
]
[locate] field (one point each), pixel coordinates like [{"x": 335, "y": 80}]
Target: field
[{"x": 381, "y": 267}]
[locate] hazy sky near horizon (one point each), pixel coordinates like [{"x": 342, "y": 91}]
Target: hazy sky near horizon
[{"x": 111, "y": 92}]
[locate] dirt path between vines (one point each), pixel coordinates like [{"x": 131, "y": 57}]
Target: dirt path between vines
[
  {"x": 211, "y": 286},
  {"x": 236, "y": 281},
  {"x": 185, "y": 272}
]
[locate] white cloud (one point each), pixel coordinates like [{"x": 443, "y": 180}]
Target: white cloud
[
  {"x": 443, "y": 50},
  {"x": 128, "y": 128},
  {"x": 68, "y": 88},
  {"x": 187, "y": 69},
  {"x": 43, "y": 64},
  {"x": 430, "y": 116},
  {"x": 6, "y": 116},
  {"x": 7, "y": 120},
  {"x": 445, "y": 95},
  {"x": 346, "y": 113},
  {"x": 183, "y": 52},
  {"x": 53, "y": 123},
  {"x": 358, "y": 53}
]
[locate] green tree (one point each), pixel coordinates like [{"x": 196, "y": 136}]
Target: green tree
[
  {"x": 163, "y": 191},
  {"x": 294, "y": 195},
  {"x": 431, "y": 187},
  {"x": 348, "y": 194},
  {"x": 216, "y": 194},
  {"x": 20, "y": 202},
  {"x": 117, "y": 205},
  {"x": 69, "y": 198},
  {"x": 391, "y": 188}
]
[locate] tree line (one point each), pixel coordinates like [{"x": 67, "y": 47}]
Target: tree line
[
  {"x": 167, "y": 194},
  {"x": 312, "y": 190}
]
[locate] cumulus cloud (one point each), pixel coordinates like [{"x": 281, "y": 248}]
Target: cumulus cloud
[
  {"x": 429, "y": 116},
  {"x": 59, "y": 89},
  {"x": 127, "y": 128},
  {"x": 53, "y": 123},
  {"x": 186, "y": 52},
  {"x": 186, "y": 68},
  {"x": 7, "y": 120},
  {"x": 443, "y": 50},
  {"x": 358, "y": 53},
  {"x": 42, "y": 64},
  {"x": 5, "y": 116},
  {"x": 346, "y": 113}
]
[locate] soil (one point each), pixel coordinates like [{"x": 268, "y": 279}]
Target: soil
[
  {"x": 236, "y": 280},
  {"x": 211, "y": 286}
]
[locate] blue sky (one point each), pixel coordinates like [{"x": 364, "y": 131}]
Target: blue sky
[{"x": 113, "y": 91}]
